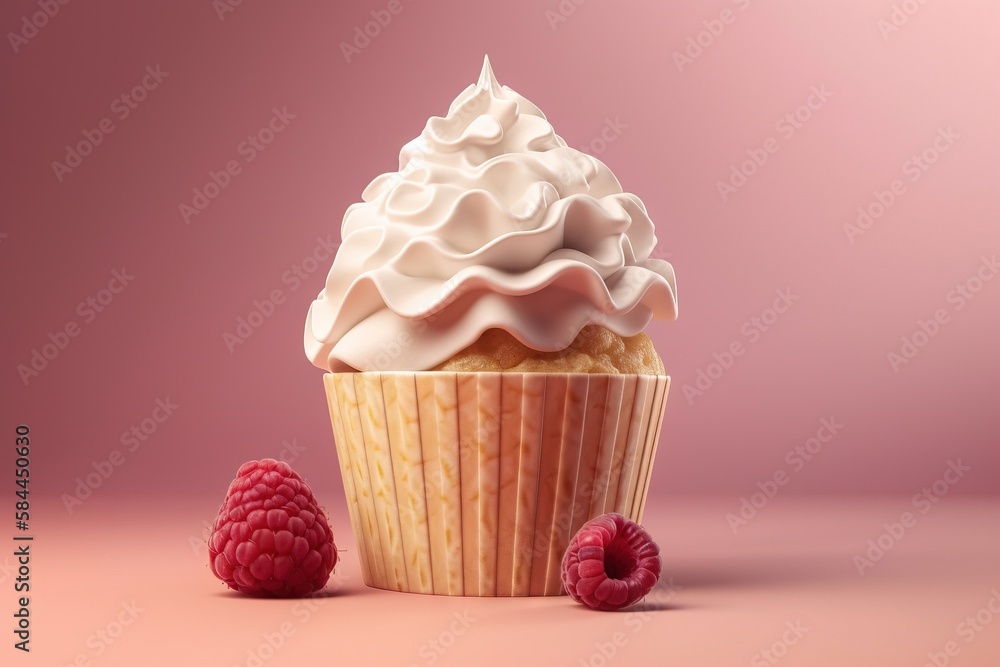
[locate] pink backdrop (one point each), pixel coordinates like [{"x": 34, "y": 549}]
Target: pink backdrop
[{"x": 808, "y": 110}]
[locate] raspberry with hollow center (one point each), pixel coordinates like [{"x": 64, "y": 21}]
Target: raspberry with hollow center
[
  {"x": 610, "y": 563},
  {"x": 271, "y": 538}
]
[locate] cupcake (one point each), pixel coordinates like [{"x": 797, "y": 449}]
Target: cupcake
[{"x": 489, "y": 382}]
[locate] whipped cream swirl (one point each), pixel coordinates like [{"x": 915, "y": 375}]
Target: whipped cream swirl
[{"x": 492, "y": 221}]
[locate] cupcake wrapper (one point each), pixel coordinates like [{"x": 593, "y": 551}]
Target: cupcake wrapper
[{"x": 474, "y": 483}]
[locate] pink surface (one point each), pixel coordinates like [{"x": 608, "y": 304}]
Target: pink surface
[{"x": 786, "y": 584}]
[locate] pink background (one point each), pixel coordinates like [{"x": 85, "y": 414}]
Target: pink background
[
  {"x": 887, "y": 95},
  {"x": 163, "y": 336}
]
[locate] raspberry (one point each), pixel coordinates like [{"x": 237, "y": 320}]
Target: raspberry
[
  {"x": 270, "y": 538},
  {"x": 611, "y": 563}
]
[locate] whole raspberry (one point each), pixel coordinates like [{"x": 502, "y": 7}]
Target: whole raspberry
[
  {"x": 270, "y": 538},
  {"x": 610, "y": 563}
]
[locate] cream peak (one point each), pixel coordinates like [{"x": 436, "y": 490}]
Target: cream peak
[{"x": 487, "y": 80}]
